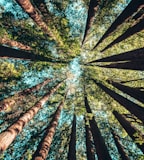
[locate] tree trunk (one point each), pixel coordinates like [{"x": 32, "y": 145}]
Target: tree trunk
[
  {"x": 135, "y": 109},
  {"x": 18, "y": 96},
  {"x": 8, "y": 136},
  {"x": 93, "y": 7},
  {"x": 130, "y": 65},
  {"x": 44, "y": 146},
  {"x": 120, "y": 148},
  {"x": 132, "y": 7},
  {"x": 129, "y": 32},
  {"x": 101, "y": 148},
  {"x": 89, "y": 146},
  {"x": 72, "y": 143},
  {"x": 12, "y": 43},
  {"x": 137, "y": 94},
  {"x": 131, "y": 130},
  {"x": 33, "y": 13},
  {"x": 137, "y": 54}
]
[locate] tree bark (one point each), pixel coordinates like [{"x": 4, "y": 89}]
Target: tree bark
[
  {"x": 133, "y": 108},
  {"x": 93, "y": 7},
  {"x": 89, "y": 146},
  {"x": 18, "y": 96},
  {"x": 129, "y": 32},
  {"x": 72, "y": 143},
  {"x": 8, "y": 136},
  {"x": 130, "y": 65},
  {"x": 137, "y": 94},
  {"x": 12, "y": 43},
  {"x": 101, "y": 148},
  {"x": 136, "y": 54},
  {"x": 131, "y": 130},
  {"x": 120, "y": 148},
  {"x": 131, "y": 8},
  {"x": 44, "y": 146}
]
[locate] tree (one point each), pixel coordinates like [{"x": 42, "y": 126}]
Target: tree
[
  {"x": 134, "y": 92},
  {"x": 133, "y": 55},
  {"x": 129, "y": 105},
  {"x": 18, "y": 96},
  {"x": 129, "y": 32},
  {"x": 131, "y": 130},
  {"x": 120, "y": 148},
  {"x": 12, "y": 43},
  {"x": 89, "y": 146},
  {"x": 44, "y": 146},
  {"x": 72, "y": 143},
  {"x": 93, "y": 7},
  {"x": 131, "y": 8},
  {"x": 101, "y": 148},
  {"x": 8, "y": 136}
]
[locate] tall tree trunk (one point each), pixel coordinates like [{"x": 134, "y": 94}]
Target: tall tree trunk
[
  {"x": 130, "y": 65},
  {"x": 18, "y": 96},
  {"x": 8, "y": 136},
  {"x": 136, "y": 54},
  {"x": 137, "y": 94},
  {"x": 131, "y": 8},
  {"x": 131, "y": 130},
  {"x": 120, "y": 148},
  {"x": 135, "y": 109},
  {"x": 129, "y": 32},
  {"x": 44, "y": 146},
  {"x": 41, "y": 5},
  {"x": 12, "y": 43},
  {"x": 89, "y": 146},
  {"x": 101, "y": 148},
  {"x": 93, "y": 7},
  {"x": 72, "y": 143}
]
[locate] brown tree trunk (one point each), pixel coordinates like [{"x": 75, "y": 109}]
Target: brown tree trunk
[
  {"x": 131, "y": 8},
  {"x": 131, "y": 130},
  {"x": 44, "y": 146},
  {"x": 135, "y": 109},
  {"x": 12, "y": 43},
  {"x": 72, "y": 143},
  {"x": 129, "y": 32},
  {"x": 93, "y": 7},
  {"x": 101, "y": 148},
  {"x": 18, "y": 96},
  {"x": 8, "y": 136},
  {"x": 120, "y": 148},
  {"x": 89, "y": 146}
]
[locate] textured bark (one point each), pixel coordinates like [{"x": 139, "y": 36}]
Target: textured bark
[
  {"x": 8, "y": 136},
  {"x": 41, "y": 5},
  {"x": 99, "y": 143},
  {"x": 72, "y": 143},
  {"x": 137, "y": 94},
  {"x": 131, "y": 130},
  {"x": 131, "y": 8},
  {"x": 129, "y": 32},
  {"x": 33, "y": 13},
  {"x": 13, "y": 43},
  {"x": 18, "y": 96},
  {"x": 136, "y": 54},
  {"x": 130, "y": 65},
  {"x": 89, "y": 146},
  {"x": 93, "y": 7},
  {"x": 44, "y": 146},
  {"x": 135, "y": 109},
  {"x": 120, "y": 148}
]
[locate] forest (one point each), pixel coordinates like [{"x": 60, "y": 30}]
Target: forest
[{"x": 71, "y": 79}]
